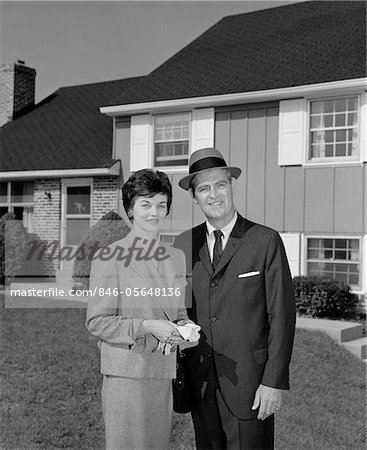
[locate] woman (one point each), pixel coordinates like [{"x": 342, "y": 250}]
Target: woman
[{"x": 139, "y": 293}]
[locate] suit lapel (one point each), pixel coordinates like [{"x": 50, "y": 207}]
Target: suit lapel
[
  {"x": 232, "y": 246},
  {"x": 200, "y": 244},
  {"x": 234, "y": 243}
]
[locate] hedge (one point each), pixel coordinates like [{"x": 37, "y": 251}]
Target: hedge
[
  {"x": 13, "y": 245},
  {"x": 110, "y": 228},
  {"x": 323, "y": 297}
]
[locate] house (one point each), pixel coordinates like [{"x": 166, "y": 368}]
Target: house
[
  {"x": 58, "y": 174},
  {"x": 281, "y": 92}
]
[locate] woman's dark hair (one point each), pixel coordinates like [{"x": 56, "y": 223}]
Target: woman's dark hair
[{"x": 146, "y": 183}]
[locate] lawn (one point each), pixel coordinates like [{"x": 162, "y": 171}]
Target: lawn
[{"x": 50, "y": 385}]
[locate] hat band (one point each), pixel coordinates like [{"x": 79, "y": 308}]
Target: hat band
[{"x": 207, "y": 163}]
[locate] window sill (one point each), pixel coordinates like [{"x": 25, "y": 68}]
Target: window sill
[
  {"x": 173, "y": 169},
  {"x": 320, "y": 163}
]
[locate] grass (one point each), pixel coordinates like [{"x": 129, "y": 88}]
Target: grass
[{"x": 51, "y": 389}]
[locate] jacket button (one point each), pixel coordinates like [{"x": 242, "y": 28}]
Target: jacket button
[
  {"x": 212, "y": 284},
  {"x": 213, "y": 319}
]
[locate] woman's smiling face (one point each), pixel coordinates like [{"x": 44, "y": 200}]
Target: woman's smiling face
[{"x": 149, "y": 213}]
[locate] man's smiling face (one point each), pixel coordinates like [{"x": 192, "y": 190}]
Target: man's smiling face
[{"x": 214, "y": 194}]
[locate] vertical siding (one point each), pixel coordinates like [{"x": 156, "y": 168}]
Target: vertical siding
[
  {"x": 238, "y": 156},
  {"x": 180, "y": 217},
  {"x": 293, "y": 198},
  {"x": 121, "y": 151},
  {"x": 121, "y": 145},
  {"x": 289, "y": 199},
  {"x": 248, "y": 139},
  {"x": 274, "y": 175},
  {"x": 319, "y": 200},
  {"x": 255, "y": 170},
  {"x": 222, "y": 139},
  {"x": 348, "y": 199}
]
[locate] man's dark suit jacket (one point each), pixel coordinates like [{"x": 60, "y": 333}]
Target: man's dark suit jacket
[{"x": 246, "y": 309}]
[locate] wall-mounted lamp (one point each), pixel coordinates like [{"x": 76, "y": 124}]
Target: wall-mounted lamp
[{"x": 48, "y": 196}]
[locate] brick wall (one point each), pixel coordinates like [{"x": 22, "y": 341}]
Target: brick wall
[
  {"x": 47, "y": 215},
  {"x": 17, "y": 90},
  {"x": 47, "y": 211},
  {"x": 105, "y": 197}
]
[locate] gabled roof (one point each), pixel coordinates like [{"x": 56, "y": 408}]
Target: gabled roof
[
  {"x": 64, "y": 131},
  {"x": 292, "y": 45}
]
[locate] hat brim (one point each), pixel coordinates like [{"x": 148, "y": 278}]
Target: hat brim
[{"x": 184, "y": 183}]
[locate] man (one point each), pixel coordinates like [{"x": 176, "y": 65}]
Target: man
[{"x": 243, "y": 300}]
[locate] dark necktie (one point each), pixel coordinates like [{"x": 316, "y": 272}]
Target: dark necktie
[{"x": 218, "y": 250}]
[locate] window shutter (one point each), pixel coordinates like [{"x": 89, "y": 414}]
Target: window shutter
[
  {"x": 140, "y": 145},
  {"x": 363, "y": 272},
  {"x": 291, "y": 132},
  {"x": 202, "y": 131},
  {"x": 291, "y": 243},
  {"x": 363, "y": 127}
]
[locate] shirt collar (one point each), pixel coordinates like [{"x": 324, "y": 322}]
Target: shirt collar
[{"x": 225, "y": 230}]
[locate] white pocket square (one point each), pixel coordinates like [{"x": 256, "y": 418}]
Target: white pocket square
[{"x": 249, "y": 274}]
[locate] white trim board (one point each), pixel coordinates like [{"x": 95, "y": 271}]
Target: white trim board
[
  {"x": 23, "y": 174},
  {"x": 329, "y": 88}
]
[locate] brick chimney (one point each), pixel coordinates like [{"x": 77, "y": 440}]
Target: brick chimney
[{"x": 17, "y": 90}]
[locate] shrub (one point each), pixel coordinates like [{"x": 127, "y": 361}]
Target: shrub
[
  {"x": 110, "y": 228},
  {"x": 13, "y": 245},
  {"x": 324, "y": 298}
]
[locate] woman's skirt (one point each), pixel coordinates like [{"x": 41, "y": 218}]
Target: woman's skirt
[{"x": 137, "y": 413}]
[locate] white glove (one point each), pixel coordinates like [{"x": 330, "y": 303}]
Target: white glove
[{"x": 189, "y": 332}]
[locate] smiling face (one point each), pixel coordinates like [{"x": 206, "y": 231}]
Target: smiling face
[
  {"x": 149, "y": 213},
  {"x": 214, "y": 194}
]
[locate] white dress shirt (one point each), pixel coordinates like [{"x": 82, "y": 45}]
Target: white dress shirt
[{"x": 210, "y": 238}]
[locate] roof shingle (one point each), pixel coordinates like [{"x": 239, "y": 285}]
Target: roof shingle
[
  {"x": 292, "y": 45},
  {"x": 64, "y": 131}
]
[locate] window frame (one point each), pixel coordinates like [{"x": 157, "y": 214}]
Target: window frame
[
  {"x": 335, "y": 160},
  {"x": 305, "y": 260},
  {"x": 168, "y": 234},
  {"x": 10, "y": 205},
  {"x": 74, "y": 182},
  {"x": 170, "y": 168}
]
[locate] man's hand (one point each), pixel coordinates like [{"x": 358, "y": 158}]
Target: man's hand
[{"x": 268, "y": 400}]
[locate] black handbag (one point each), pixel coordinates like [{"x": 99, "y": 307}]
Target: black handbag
[{"x": 180, "y": 386}]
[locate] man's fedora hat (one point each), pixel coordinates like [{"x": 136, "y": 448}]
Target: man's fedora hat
[{"x": 206, "y": 159}]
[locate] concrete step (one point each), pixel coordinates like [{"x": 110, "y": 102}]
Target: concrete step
[
  {"x": 358, "y": 347},
  {"x": 66, "y": 270},
  {"x": 337, "y": 329},
  {"x": 64, "y": 277}
]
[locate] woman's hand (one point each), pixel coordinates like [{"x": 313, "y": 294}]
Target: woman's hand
[
  {"x": 163, "y": 330},
  {"x": 183, "y": 322}
]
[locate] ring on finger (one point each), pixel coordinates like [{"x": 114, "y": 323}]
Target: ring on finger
[{"x": 277, "y": 407}]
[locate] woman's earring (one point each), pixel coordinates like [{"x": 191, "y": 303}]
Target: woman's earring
[{"x": 130, "y": 214}]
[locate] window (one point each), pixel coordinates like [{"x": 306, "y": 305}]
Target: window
[
  {"x": 334, "y": 129},
  {"x": 335, "y": 258},
  {"x": 171, "y": 139},
  {"x": 17, "y": 197},
  {"x": 168, "y": 239},
  {"x": 77, "y": 210}
]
